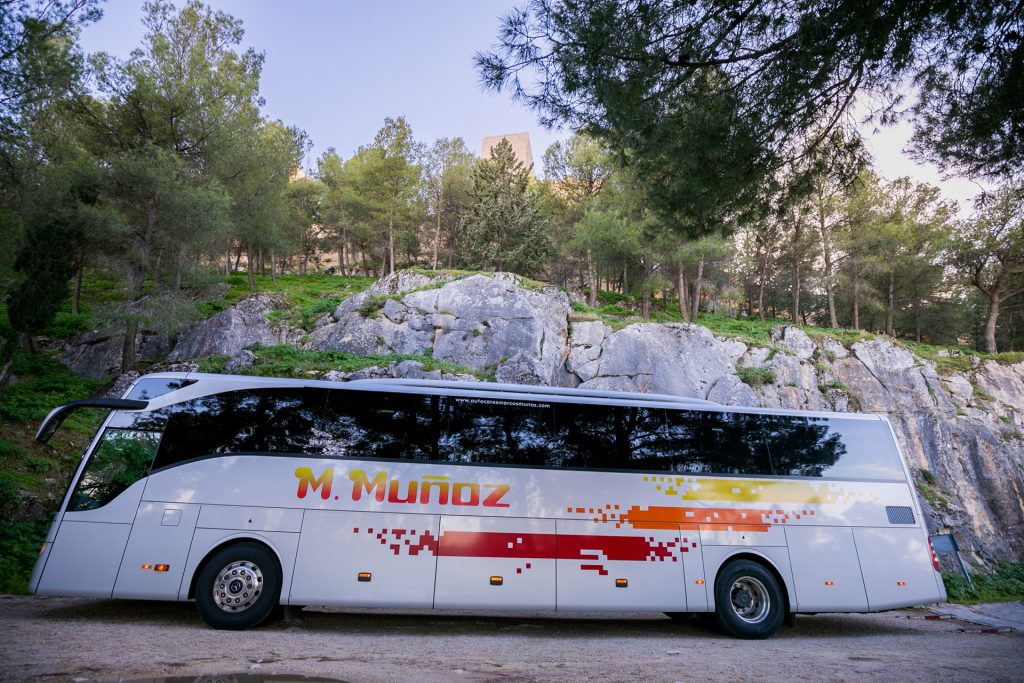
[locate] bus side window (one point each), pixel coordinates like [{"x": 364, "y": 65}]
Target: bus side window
[
  {"x": 707, "y": 442},
  {"x": 122, "y": 457}
]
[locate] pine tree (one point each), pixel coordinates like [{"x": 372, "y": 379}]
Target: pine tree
[{"x": 504, "y": 230}]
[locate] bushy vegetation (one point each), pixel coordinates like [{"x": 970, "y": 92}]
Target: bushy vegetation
[
  {"x": 1003, "y": 585},
  {"x": 34, "y": 476},
  {"x": 756, "y": 376},
  {"x": 287, "y": 361}
]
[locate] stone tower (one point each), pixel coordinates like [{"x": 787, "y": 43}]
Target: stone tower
[{"x": 520, "y": 146}]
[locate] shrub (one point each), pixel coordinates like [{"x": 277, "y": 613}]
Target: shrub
[
  {"x": 1007, "y": 583},
  {"x": 756, "y": 376}
]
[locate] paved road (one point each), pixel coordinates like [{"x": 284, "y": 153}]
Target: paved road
[{"x": 73, "y": 639}]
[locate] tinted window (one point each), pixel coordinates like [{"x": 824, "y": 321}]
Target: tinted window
[
  {"x": 366, "y": 424},
  {"x": 481, "y": 430},
  {"x": 147, "y": 389},
  {"x": 831, "y": 447},
  {"x": 121, "y": 458},
  {"x": 259, "y": 420},
  {"x": 707, "y": 442},
  {"x": 611, "y": 437}
]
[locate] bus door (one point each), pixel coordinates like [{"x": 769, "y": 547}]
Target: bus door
[
  {"x": 94, "y": 529},
  {"x": 157, "y": 550},
  {"x": 604, "y": 568}
]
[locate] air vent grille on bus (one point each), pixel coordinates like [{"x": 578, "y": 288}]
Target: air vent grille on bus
[{"x": 899, "y": 514}]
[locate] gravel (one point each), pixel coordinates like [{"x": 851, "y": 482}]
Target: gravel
[{"x": 76, "y": 639}]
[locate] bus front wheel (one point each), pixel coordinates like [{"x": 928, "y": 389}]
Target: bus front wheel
[
  {"x": 238, "y": 587},
  {"x": 748, "y": 600}
]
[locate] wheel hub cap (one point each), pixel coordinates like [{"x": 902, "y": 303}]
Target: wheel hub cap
[
  {"x": 238, "y": 586},
  {"x": 750, "y": 599}
]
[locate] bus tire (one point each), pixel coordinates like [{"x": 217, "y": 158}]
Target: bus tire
[
  {"x": 748, "y": 600},
  {"x": 238, "y": 587}
]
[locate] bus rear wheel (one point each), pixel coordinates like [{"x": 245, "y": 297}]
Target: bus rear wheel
[
  {"x": 748, "y": 600},
  {"x": 238, "y": 587}
]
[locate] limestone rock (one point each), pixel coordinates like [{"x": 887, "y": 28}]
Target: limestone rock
[
  {"x": 679, "y": 359},
  {"x": 231, "y": 330},
  {"x": 795, "y": 340}
]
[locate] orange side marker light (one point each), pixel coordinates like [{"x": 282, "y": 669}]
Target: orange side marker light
[
  {"x": 829, "y": 583},
  {"x": 161, "y": 567},
  {"x": 364, "y": 576},
  {"x": 497, "y": 580},
  {"x": 901, "y": 583},
  {"x": 145, "y": 566},
  {"x": 700, "y": 582},
  {"x": 622, "y": 583}
]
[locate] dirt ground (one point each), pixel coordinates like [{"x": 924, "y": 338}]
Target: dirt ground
[{"x": 75, "y": 639}]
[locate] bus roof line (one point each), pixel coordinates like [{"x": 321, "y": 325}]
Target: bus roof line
[{"x": 493, "y": 387}]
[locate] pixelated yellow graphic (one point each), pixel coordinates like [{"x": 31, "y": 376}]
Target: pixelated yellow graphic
[{"x": 752, "y": 491}]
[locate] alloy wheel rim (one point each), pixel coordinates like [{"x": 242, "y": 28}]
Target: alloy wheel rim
[
  {"x": 238, "y": 586},
  {"x": 750, "y": 599}
]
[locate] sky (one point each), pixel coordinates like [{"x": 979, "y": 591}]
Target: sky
[{"x": 337, "y": 68}]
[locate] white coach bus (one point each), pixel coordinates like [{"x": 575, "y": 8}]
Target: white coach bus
[{"x": 244, "y": 493}]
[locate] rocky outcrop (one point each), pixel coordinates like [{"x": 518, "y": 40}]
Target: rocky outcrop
[
  {"x": 478, "y": 321},
  {"x": 962, "y": 433},
  {"x": 232, "y": 330},
  {"x": 97, "y": 355}
]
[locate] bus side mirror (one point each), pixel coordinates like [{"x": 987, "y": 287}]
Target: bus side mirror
[{"x": 58, "y": 414}]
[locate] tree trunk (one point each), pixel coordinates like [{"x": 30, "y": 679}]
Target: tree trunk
[
  {"x": 760, "y": 287},
  {"x": 794, "y": 313},
  {"x": 625, "y": 272},
  {"x": 994, "y": 300},
  {"x": 645, "y": 304},
  {"x": 826, "y": 254},
  {"x": 76, "y": 293},
  {"x": 696, "y": 291},
  {"x": 273, "y": 266},
  {"x": 856, "y": 299},
  {"x": 391, "y": 244},
  {"x": 238, "y": 259},
  {"x": 128, "y": 358},
  {"x": 250, "y": 276},
  {"x": 437, "y": 228},
  {"x": 592, "y": 278},
  {"x": 683, "y": 298},
  {"x": 891, "y": 305}
]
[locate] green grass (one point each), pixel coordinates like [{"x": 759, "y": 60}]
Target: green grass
[
  {"x": 1004, "y": 585},
  {"x": 929, "y": 489},
  {"x": 756, "y": 376},
  {"x": 286, "y": 361},
  {"x": 39, "y": 384},
  {"x": 307, "y": 298}
]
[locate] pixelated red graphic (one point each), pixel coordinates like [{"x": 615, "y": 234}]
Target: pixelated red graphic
[
  {"x": 616, "y": 548},
  {"x": 589, "y": 549},
  {"x": 413, "y": 542}
]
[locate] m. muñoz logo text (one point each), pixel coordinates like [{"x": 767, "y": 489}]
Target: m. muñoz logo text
[{"x": 426, "y": 489}]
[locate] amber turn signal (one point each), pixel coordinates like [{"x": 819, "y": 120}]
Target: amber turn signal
[
  {"x": 497, "y": 580},
  {"x": 364, "y": 576},
  {"x": 162, "y": 567},
  {"x": 622, "y": 583}
]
